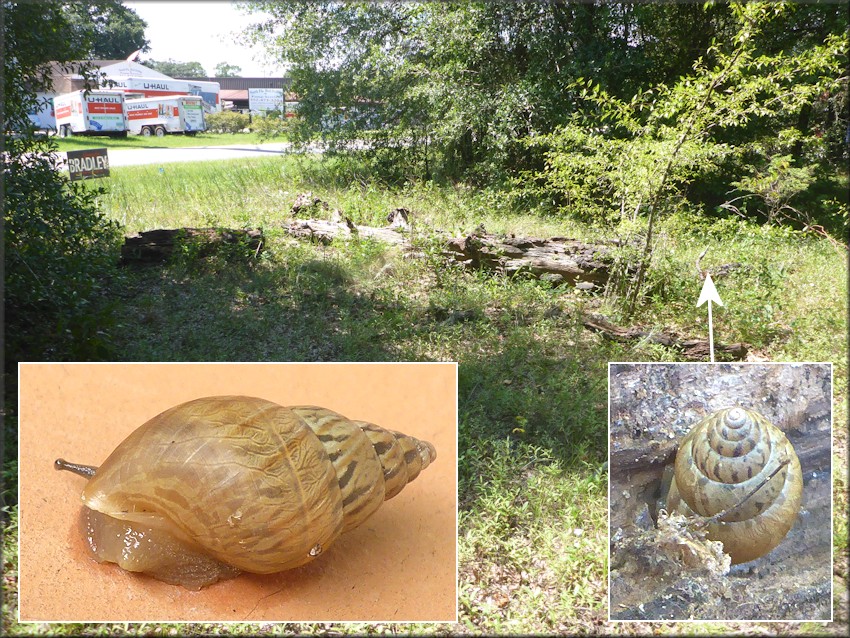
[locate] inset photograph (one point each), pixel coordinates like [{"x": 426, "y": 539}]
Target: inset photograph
[
  {"x": 720, "y": 491},
  {"x": 225, "y": 492}
]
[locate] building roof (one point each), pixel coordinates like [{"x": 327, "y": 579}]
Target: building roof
[{"x": 243, "y": 84}]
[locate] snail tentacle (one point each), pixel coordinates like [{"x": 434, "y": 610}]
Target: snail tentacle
[{"x": 83, "y": 470}]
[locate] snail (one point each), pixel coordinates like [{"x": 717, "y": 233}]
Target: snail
[
  {"x": 226, "y": 484},
  {"x": 740, "y": 473}
]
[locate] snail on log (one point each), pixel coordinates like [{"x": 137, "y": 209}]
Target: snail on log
[
  {"x": 220, "y": 485},
  {"x": 739, "y": 473}
]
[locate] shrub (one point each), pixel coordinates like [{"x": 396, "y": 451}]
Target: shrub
[
  {"x": 268, "y": 126},
  {"x": 61, "y": 255},
  {"x": 227, "y": 122}
]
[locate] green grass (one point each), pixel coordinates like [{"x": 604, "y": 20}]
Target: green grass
[
  {"x": 79, "y": 142},
  {"x": 532, "y": 381},
  {"x": 260, "y": 192}
]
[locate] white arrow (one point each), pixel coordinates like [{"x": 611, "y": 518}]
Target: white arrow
[{"x": 709, "y": 294}]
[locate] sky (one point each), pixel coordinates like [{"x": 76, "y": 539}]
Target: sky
[{"x": 202, "y": 32}]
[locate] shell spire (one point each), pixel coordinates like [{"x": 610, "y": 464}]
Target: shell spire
[{"x": 739, "y": 472}]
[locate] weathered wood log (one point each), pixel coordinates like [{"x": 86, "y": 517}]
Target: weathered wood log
[
  {"x": 324, "y": 232},
  {"x": 157, "y": 246},
  {"x": 691, "y": 349},
  {"x": 557, "y": 259}
]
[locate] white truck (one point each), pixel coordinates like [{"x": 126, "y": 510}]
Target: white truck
[
  {"x": 94, "y": 112},
  {"x": 173, "y": 114}
]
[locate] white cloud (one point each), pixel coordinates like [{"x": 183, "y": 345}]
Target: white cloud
[{"x": 204, "y": 32}]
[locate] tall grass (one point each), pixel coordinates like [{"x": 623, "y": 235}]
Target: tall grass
[
  {"x": 233, "y": 193},
  {"x": 260, "y": 192}
]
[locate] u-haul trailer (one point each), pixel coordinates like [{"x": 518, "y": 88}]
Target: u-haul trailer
[
  {"x": 161, "y": 87},
  {"x": 158, "y": 116},
  {"x": 94, "y": 112}
]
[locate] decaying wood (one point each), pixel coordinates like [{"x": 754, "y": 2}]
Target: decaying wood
[
  {"x": 558, "y": 259},
  {"x": 691, "y": 349},
  {"x": 324, "y": 232},
  {"x": 157, "y": 246}
]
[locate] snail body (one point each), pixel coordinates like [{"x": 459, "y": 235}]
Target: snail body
[
  {"x": 226, "y": 484},
  {"x": 740, "y": 473}
]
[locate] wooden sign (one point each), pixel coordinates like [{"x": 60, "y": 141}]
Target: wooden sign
[{"x": 88, "y": 164}]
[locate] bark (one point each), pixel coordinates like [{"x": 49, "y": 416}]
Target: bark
[{"x": 557, "y": 259}]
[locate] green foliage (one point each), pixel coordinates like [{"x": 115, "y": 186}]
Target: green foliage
[
  {"x": 227, "y": 122},
  {"x": 451, "y": 89},
  {"x": 113, "y": 30},
  {"x": 214, "y": 252},
  {"x": 225, "y": 70},
  {"x": 268, "y": 126},
  {"x": 458, "y": 90},
  {"x": 176, "y": 69},
  {"x": 10, "y": 568},
  {"x": 60, "y": 250},
  {"x": 774, "y": 185},
  {"x": 60, "y": 259},
  {"x": 619, "y": 160}
]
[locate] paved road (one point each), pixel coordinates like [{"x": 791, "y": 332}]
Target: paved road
[{"x": 134, "y": 157}]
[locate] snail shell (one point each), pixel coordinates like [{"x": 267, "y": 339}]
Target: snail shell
[
  {"x": 226, "y": 484},
  {"x": 720, "y": 463}
]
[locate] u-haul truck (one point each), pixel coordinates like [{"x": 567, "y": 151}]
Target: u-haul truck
[
  {"x": 158, "y": 116},
  {"x": 96, "y": 112}
]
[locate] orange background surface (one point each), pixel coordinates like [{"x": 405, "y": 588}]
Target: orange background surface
[{"x": 401, "y": 564}]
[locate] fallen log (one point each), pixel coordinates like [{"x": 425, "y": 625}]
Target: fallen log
[
  {"x": 558, "y": 259},
  {"x": 690, "y": 349},
  {"x": 157, "y": 246},
  {"x": 324, "y": 232}
]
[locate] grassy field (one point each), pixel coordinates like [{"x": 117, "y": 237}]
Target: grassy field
[
  {"x": 532, "y": 380},
  {"x": 76, "y": 143}
]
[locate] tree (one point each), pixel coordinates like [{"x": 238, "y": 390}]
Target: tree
[
  {"x": 462, "y": 85},
  {"x": 631, "y": 160},
  {"x": 60, "y": 252},
  {"x": 225, "y": 70},
  {"x": 59, "y": 249},
  {"x": 176, "y": 69},
  {"x": 112, "y": 30},
  {"x": 468, "y": 81}
]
